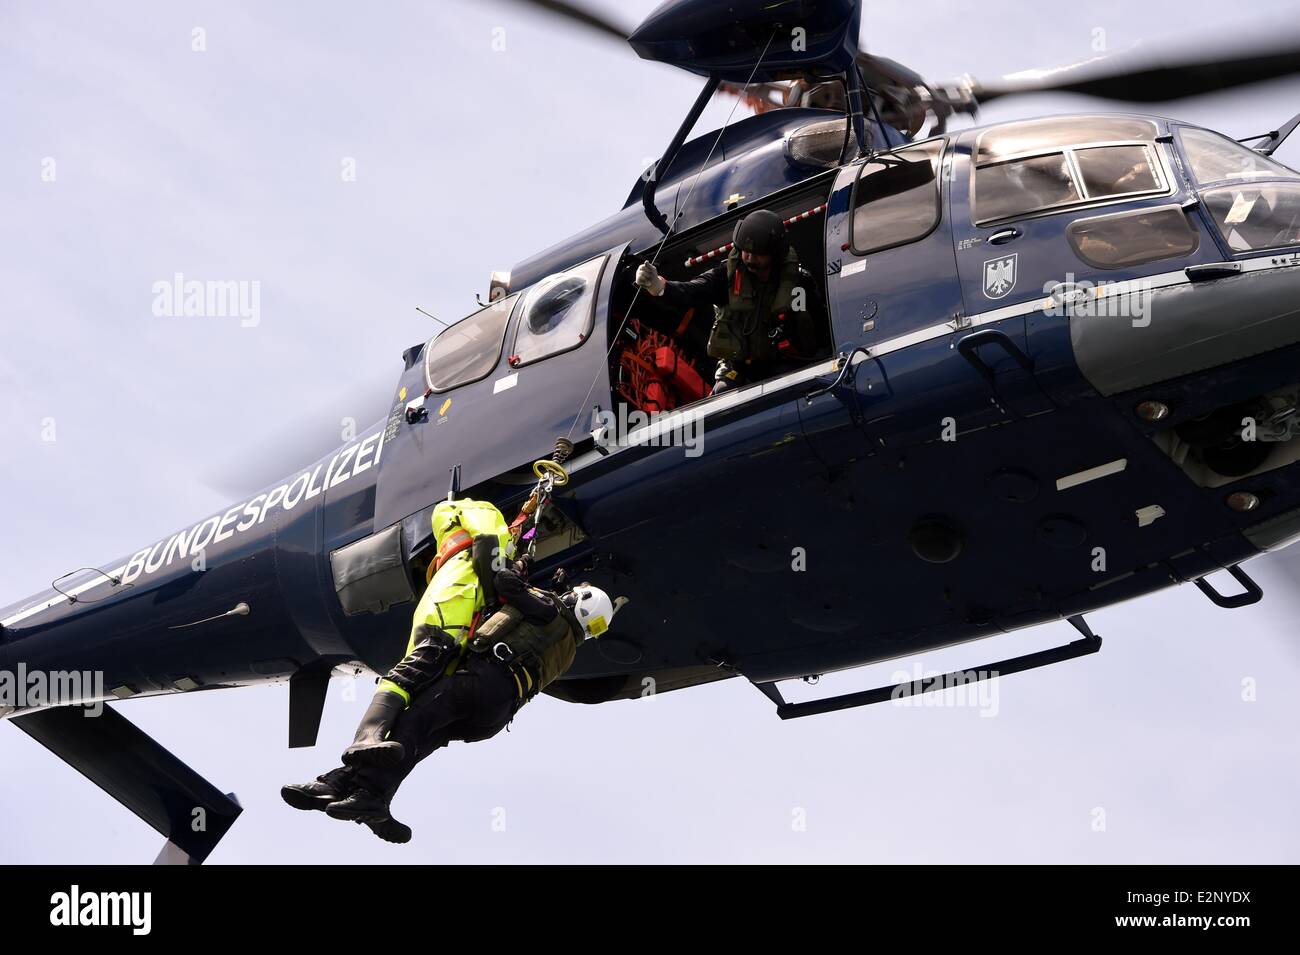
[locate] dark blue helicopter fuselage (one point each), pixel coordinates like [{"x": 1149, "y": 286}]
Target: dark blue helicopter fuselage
[{"x": 788, "y": 545}]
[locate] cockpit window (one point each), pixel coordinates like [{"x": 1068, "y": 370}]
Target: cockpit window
[
  {"x": 896, "y": 198},
  {"x": 1256, "y": 216},
  {"x": 468, "y": 350},
  {"x": 557, "y": 314},
  {"x": 1067, "y": 176},
  {"x": 1216, "y": 158}
]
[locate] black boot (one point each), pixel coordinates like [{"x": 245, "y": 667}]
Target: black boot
[
  {"x": 325, "y": 789},
  {"x": 390, "y": 830},
  {"x": 370, "y": 748},
  {"x": 364, "y": 806}
]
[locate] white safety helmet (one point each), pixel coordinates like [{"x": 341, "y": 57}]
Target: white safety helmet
[{"x": 593, "y": 608}]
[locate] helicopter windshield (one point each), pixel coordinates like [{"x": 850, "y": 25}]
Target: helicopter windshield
[
  {"x": 1216, "y": 158},
  {"x": 1254, "y": 200},
  {"x": 1256, "y": 216}
]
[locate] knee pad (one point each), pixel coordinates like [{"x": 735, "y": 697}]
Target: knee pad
[{"x": 434, "y": 648}]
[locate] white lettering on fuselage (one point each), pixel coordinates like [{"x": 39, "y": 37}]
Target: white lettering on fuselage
[{"x": 303, "y": 486}]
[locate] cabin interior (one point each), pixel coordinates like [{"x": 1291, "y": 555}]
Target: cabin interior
[{"x": 658, "y": 359}]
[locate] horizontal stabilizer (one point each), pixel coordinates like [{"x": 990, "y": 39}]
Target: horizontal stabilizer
[{"x": 133, "y": 768}]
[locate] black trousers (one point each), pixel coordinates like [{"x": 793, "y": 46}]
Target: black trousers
[{"x": 475, "y": 703}]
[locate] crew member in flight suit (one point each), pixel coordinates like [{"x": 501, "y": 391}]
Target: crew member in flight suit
[
  {"x": 757, "y": 331},
  {"x": 425, "y": 701}
]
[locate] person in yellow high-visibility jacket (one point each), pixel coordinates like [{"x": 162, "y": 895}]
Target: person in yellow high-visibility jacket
[
  {"x": 440, "y": 629},
  {"x": 441, "y": 624}
]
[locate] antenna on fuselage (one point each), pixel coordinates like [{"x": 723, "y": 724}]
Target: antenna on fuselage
[
  {"x": 432, "y": 316},
  {"x": 454, "y": 487}
]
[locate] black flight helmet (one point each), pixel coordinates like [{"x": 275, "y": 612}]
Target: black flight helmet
[{"x": 762, "y": 233}]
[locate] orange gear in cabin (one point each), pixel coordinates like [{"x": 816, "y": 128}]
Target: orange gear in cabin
[{"x": 654, "y": 375}]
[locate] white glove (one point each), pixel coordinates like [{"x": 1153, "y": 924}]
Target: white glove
[{"x": 649, "y": 279}]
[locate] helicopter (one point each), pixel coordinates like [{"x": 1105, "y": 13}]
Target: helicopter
[{"x": 1000, "y": 449}]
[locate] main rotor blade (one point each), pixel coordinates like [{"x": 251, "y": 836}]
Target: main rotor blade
[
  {"x": 578, "y": 14},
  {"x": 1142, "y": 79}
]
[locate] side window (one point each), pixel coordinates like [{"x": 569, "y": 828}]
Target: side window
[
  {"x": 1117, "y": 171},
  {"x": 1023, "y": 185},
  {"x": 896, "y": 197},
  {"x": 1134, "y": 237},
  {"x": 1072, "y": 176},
  {"x": 1216, "y": 158},
  {"x": 468, "y": 350},
  {"x": 557, "y": 314}
]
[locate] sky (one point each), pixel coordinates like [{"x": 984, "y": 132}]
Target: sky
[{"x": 358, "y": 161}]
